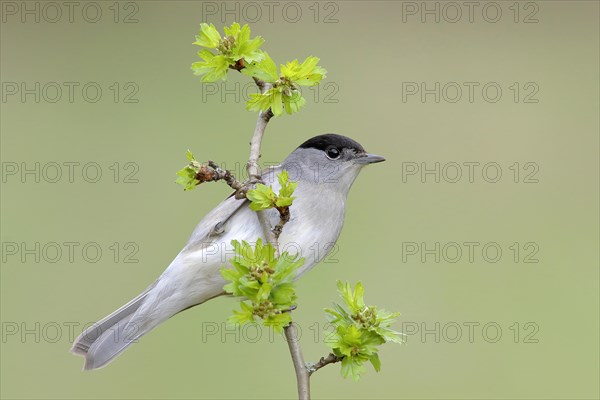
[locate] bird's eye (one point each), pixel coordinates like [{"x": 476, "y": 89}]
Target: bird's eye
[{"x": 333, "y": 153}]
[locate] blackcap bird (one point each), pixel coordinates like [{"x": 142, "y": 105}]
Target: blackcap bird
[{"x": 325, "y": 168}]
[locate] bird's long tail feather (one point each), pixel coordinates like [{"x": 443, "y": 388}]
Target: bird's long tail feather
[{"x": 109, "y": 337}]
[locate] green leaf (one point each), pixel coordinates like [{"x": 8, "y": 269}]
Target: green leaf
[
  {"x": 284, "y": 198},
  {"x": 243, "y": 47},
  {"x": 345, "y": 292},
  {"x": 358, "y": 297},
  {"x": 259, "y": 102},
  {"x": 189, "y": 155},
  {"x": 284, "y": 201},
  {"x": 284, "y": 294},
  {"x": 261, "y": 197},
  {"x": 283, "y": 177},
  {"x": 265, "y": 69},
  {"x": 276, "y": 103},
  {"x": 243, "y": 316},
  {"x": 249, "y": 50},
  {"x": 230, "y": 275},
  {"x": 293, "y": 102},
  {"x": 209, "y": 36},
  {"x": 305, "y": 74},
  {"x": 264, "y": 291},
  {"x": 213, "y": 69},
  {"x": 278, "y": 321},
  {"x": 186, "y": 176},
  {"x": 287, "y": 190},
  {"x": 233, "y": 30},
  {"x": 351, "y": 368}
]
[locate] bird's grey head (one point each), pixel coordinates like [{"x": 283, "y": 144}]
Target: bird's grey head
[{"x": 330, "y": 160}]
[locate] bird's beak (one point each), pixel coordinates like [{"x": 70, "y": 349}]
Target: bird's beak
[{"x": 369, "y": 159}]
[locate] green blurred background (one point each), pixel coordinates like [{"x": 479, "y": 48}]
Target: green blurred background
[{"x": 547, "y": 312}]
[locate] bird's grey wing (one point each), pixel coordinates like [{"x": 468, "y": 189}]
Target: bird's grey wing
[{"x": 212, "y": 225}]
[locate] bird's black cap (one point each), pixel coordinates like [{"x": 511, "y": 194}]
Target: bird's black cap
[{"x": 323, "y": 142}]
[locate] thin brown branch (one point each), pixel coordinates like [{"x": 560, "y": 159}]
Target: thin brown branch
[
  {"x": 252, "y": 166},
  {"x": 330, "y": 359},
  {"x": 212, "y": 173},
  {"x": 227, "y": 176},
  {"x": 284, "y": 217},
  {"x": 262, "y": 85},
  {"x": 302, "y": 374},
  {"x": 255, "y": 144}
]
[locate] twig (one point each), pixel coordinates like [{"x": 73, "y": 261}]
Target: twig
[
  {"x": 255, "y": 143},
  {"x": 252, "y": 165},
  {"x": 302, "y": 374},
  {"x": 291, "y": 335},
  {"x": 284, "y": 217},
  {"x": 272, "y": 236},
  {"x": 212, "y": 173},
  {"x": 262, "y": 85},
  {"x": 330, "y": 359},
  {"x": 227, "y": 176}
]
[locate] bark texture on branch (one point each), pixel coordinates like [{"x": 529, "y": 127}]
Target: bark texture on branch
[
  {"x": 252, "y": 166},
  {"x": 302, "y": 374},
  {"x": 330, "y": 359}
]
